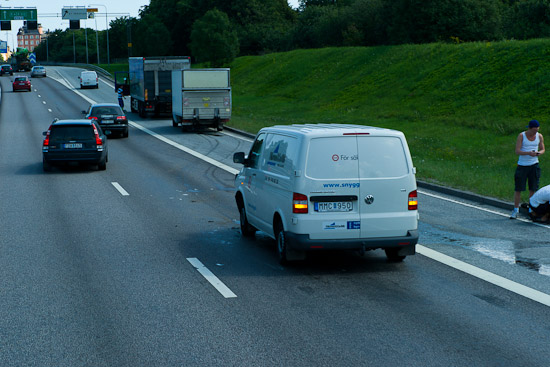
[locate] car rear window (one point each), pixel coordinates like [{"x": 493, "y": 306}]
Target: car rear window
[
  {"x": 62, "y": 133},
  {"x": 20, "y": 79},
  {"x": 109, "y": 110}
]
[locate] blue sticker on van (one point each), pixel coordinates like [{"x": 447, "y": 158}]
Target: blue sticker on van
[{"x": 355, "y": 224}]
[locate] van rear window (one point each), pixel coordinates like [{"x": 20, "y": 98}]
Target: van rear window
[
  {"x": 354, "y": 157},
  {"x": 332, "y": 158},
  {"x": 382, "y": 157}
]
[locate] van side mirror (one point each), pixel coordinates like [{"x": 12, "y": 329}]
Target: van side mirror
[
  {"x": 239, "y": 158},
  {"x": 83, "y": 112}
]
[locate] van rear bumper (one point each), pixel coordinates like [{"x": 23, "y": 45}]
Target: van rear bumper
[{"x": 303, "y": 242}]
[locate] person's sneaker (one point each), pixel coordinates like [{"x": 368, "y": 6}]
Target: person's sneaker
[{"x": 514, "y": 214}]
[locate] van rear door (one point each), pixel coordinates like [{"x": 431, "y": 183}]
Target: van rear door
[
  {"x": 332, "y": 184},
  {"x": 386, "y": 179}
]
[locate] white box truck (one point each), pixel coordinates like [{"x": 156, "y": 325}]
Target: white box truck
[
  {"x": 148, "y": 82},
  {"x": 201, "y": 97}
]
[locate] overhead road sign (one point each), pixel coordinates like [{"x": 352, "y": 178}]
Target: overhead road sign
[
  {"x": 74, "y": 13},
  {"x": 18, "y": 14}
]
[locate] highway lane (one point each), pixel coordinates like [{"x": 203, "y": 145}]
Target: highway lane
[{"x": 92, "y": 277}]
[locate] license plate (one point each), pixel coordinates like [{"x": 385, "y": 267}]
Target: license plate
[
  {"x": 72, "y": 146},
  {"x": 107, "y": 121},
  {"x": 336, "y": 206}
]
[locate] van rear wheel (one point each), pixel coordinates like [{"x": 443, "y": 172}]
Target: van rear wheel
[
  {"x": 393, "y": 255},
  {"x": 282, "y": 246},
  {"x": 246, "y": 229}
]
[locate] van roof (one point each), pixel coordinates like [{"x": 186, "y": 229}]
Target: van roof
[{"x": 331, "y": 129}]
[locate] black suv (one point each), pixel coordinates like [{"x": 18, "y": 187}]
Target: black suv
[
  {"x": 110, "y": 117},
  {"x": 6, "y": 69},
  {"x": 80, "y": 141}
]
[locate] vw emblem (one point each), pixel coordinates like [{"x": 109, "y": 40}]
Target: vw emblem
[{"x": 369, "y": 199}]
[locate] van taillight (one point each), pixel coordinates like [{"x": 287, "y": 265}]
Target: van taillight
[
  {"x": 413, "y": 200},
  {"x": 299, "y": 203}
]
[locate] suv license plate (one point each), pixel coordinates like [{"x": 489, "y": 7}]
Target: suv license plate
[
  {"x": 72, "y": 146},
  {"x": 337, "y": 206}
]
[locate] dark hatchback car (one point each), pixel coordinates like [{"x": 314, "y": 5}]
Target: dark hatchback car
[
  {"x": 74, "y": 141},
  {"x": 110, "y": 117},
  {"x": 6, "y": 69}
]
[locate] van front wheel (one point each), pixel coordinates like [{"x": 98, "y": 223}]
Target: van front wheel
[{"x": 246, "y": 229}]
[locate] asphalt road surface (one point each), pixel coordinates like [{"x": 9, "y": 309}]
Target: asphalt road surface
[{"x": 143, "y": 264}]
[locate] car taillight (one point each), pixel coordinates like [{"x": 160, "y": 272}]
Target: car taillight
[
  {"x": 121, "y": 118},
  {"x": 46, "y": 142},
  {"x": 226, "y": 101},
  {"x": 92, "y": 118},
  {"x": 98, "y": 141},
  {"x": 186, "y": 102},
  {"x": 413, "y": 200},
  {"x": 299, "y": 203}
]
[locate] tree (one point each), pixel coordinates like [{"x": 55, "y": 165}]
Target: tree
[
  {"x": 150, "y": 37},
  {"x": 118, "y": 36},
  {"x": 213, "y": 39}
]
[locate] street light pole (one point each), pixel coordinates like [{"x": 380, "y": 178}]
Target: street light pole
[
  {"x": 107, "y": 29},
  {"x": 97, "y": 41}
]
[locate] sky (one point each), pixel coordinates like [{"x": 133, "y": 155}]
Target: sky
[{"x": 49, "y": 13}]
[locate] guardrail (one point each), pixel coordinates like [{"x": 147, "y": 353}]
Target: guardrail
[{"x": 95, "y": 68}]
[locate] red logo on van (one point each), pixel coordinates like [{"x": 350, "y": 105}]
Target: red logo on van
[{"x": 335, "y": 157}]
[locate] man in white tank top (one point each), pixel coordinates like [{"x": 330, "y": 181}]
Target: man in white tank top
[{"x": 529, "y": 146}]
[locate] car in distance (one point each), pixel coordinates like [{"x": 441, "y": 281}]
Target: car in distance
[
  {"x": 110, "y": 117},
  {"x": 21, "y": 83},
  {"x": 88, "y": 79},
  {"x": 316, "y": 187},
  {"x": 38, "y": 70},
  {"x": 6, "y": 69},
  {"x": 74, "y": 141}
]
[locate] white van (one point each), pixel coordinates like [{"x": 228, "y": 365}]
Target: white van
[
  {"x": 88, "y": 79},
  {"x": 329, "y": 186}
]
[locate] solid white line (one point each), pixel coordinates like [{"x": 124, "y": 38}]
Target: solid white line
[
  {"x": 482, "y": 209},
  {"x": 185, "y": 149},
  {"x": 211, "y": 278},
  {"x": 120, "y": 189},
  {"x": 497, "y": 280}
]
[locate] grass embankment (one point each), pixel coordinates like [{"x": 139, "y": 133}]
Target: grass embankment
[{"x": 460, "y": 106}]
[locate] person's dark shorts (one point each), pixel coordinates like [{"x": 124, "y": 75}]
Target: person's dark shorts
[
  {"x": 526, "y": 174},
  {"x": 541, "y": 209}
]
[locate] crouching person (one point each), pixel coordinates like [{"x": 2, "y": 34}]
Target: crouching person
[{"x": 539, "y": 205}]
